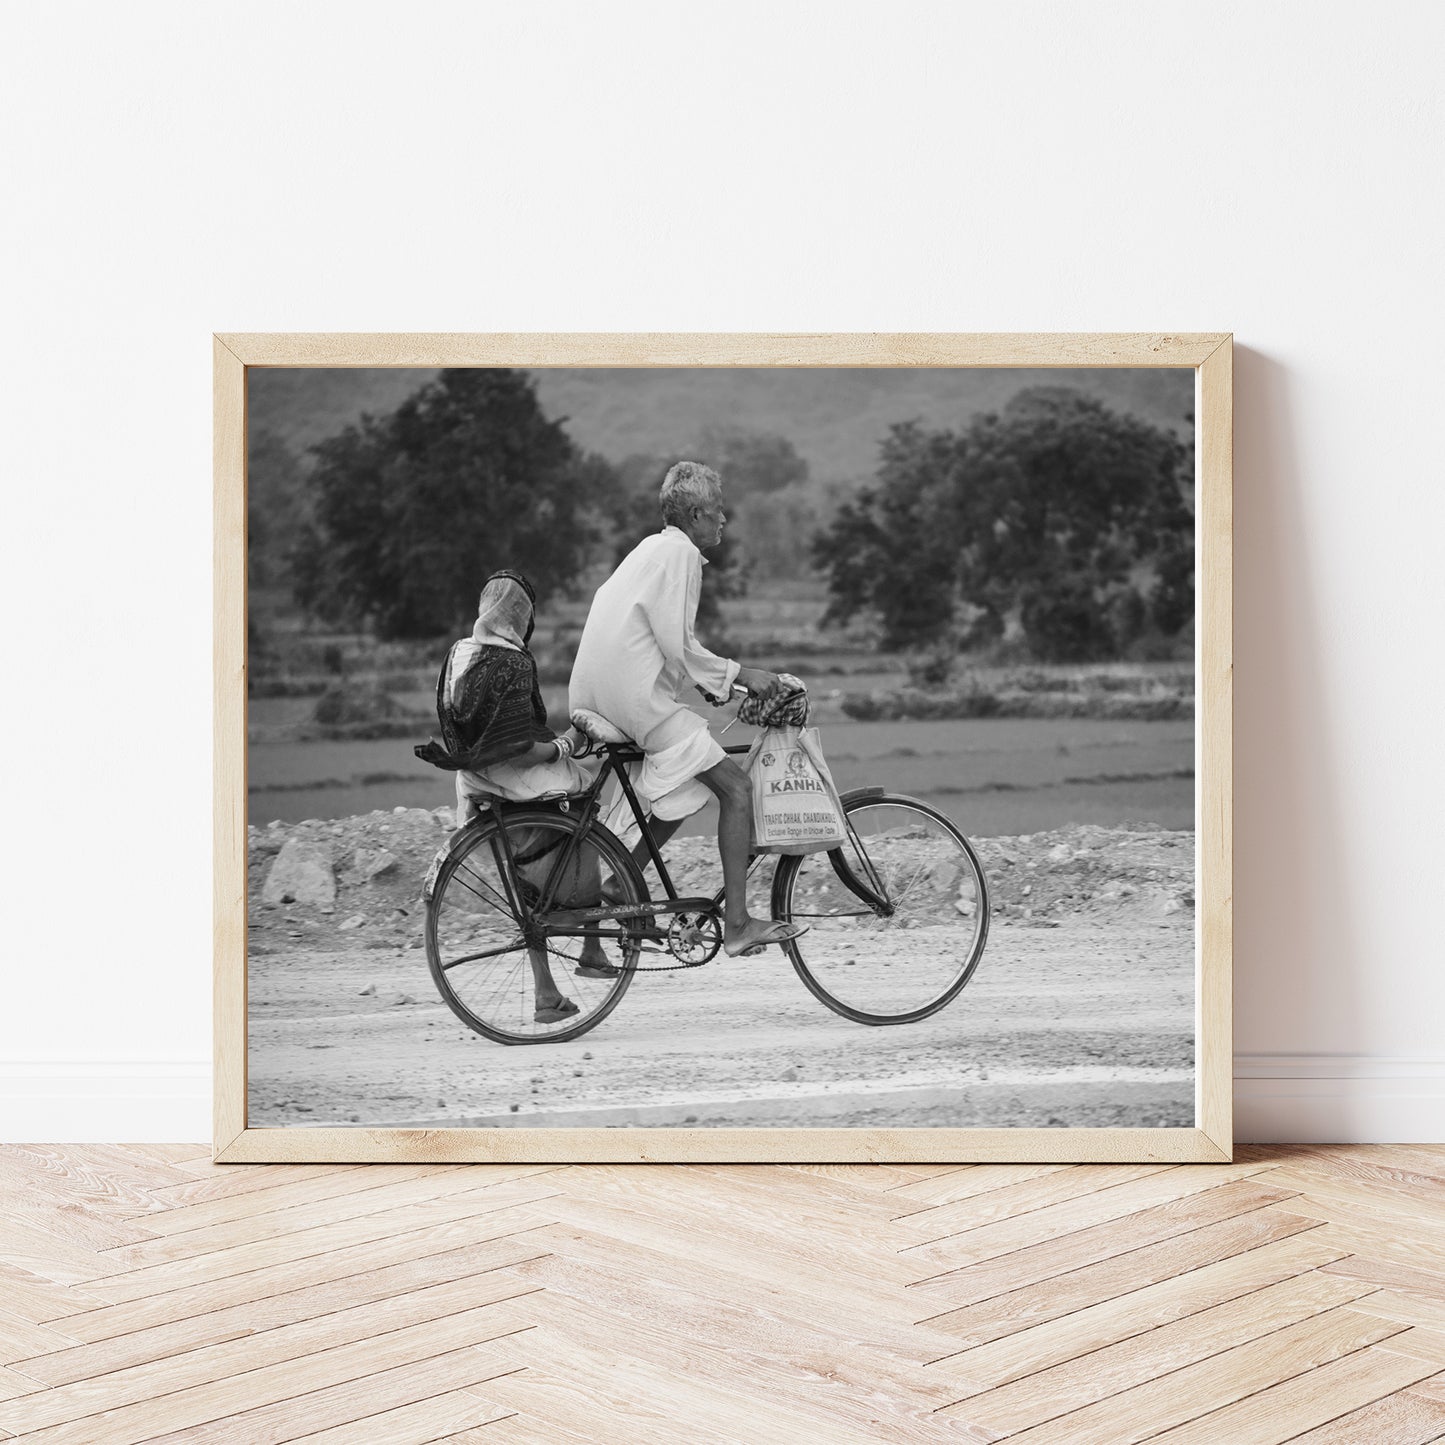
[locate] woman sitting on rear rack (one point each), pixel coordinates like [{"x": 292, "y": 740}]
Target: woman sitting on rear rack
[{"x": 496, "y": 740}]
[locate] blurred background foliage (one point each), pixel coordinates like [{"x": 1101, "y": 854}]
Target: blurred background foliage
[{"x": 1055, "y": 527}]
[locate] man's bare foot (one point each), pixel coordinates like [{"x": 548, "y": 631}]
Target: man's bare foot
[{"x": 757, "y": 934}]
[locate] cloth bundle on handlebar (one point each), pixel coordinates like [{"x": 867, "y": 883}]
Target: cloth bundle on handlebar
[
  {"x": 796, "y": 808},
  {"x": 791, "y": 712}
]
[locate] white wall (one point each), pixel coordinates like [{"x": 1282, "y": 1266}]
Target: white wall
[{"x": 174, "y": 169}]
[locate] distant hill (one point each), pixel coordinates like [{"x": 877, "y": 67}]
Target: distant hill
[{"x": 835, "y": 418}]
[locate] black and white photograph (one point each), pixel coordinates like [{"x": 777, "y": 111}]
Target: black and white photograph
[{"x": 721, "y": 747}]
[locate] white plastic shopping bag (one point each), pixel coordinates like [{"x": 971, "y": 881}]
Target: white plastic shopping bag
[{"x": 796, "y": 808}]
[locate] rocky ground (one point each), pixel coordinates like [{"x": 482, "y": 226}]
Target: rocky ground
[{"x": 1081, "y": 1013}]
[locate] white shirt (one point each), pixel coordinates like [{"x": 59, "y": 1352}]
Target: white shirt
[{"x": 639, "y": 656}]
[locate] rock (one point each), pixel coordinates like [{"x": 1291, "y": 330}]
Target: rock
[
  {"x": 301, "y": 873},
  {"x": 367, "y": 991},
  {"x": 1060, "y": 853},
  {"x": 357, "y": 920},
  {"x": 965, "y": 906},
  {"x": 400, "y": 808},
  {"x": 369, "y": 863},
  {"x": 396, "y": 1000},
  {"x": 1028, "y": 888},
  {"x": 789, "y": 1076}
]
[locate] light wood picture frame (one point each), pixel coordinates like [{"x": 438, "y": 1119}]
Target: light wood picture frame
[{"x": 1207, "y": 355}]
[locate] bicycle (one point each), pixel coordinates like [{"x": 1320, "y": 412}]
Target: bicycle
[{"x": 898, "y": 913}]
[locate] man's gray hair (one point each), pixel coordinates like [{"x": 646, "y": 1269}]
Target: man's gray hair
[{"x": 687, "y": 485}]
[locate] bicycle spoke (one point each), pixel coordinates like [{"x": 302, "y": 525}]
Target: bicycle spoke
[
  {"x": 909, "y": 959},
  {"x": 481, "y": 958}
]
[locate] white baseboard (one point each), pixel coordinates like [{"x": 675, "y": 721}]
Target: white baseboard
[
  {"x": 1338, "y": 1099},
  {"x": 1278, "y": 1098},
  {"x": 106, "y": 1103}
]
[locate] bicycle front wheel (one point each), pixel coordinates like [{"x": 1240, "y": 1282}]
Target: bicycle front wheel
[
  {"x": 897, "y": 916},
  {"x": 486, "y": 953}
]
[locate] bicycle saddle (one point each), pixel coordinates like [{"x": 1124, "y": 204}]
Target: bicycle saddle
[{"x": 596, "y": 727}]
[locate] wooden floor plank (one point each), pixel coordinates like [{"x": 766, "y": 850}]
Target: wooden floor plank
[
  {"x": 1048, "y": 1393},
  {"x": 14, "y": 1386},
  {"x": 588, "y": 1384},
  {"x": 1422, "y": 1249},
  {"x": 1407, "y": 1308},
  {"x": 965, "y": 1183},
  {"x": 997, "y": 1316},
  {"x": 807, "y": 1271},
  {"x": 393, "y": 1188},
  {"x": 518, "y": 1429},
  {"x": 335, "y": 1265},
  {"x": 279, "y": 1250},
  {"x": 1282, "y": 1412},
  {"x": 19, "y": 1339},
  {"x": 737, "y": 1210},
  {"x": 180, "y": 1334},
  {"x": 1420, "y": 1344},
  {"x": 1383, "y": 1192},
  {"x": 1093, "y": 1327},
  {"x": 146, "y": 1292},
  {"x": 333, "y": 1184},
  {"x": 833, "y": 1321},
  {"x": 220, "y": 1181},
  {"x": 1399, "y": 1419},
  {"x": 358, "y": 1404},
  {"x": 105, "y": 1179},
  {"x": 1423, "y": 1284},
  {"x": 1061, "y": 1254},
  {"x": 942, "y": 1221},
  {"x": 1109, "y": 1205},
  {"x": 1361, "y": 1161},
  {"x": 35, "y": 1300},
  {"x": 1212, "y": 1385},
  {"x": 190, "y": 1409},
  {"x": 253, "y": 1351},
  {"x": 783, "y": 1351},
  {"x": 438, "y": 1417}
]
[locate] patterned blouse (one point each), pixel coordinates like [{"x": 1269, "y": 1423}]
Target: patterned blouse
[{"x": 497, "y": 714}]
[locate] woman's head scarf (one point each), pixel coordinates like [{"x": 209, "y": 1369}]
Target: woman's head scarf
[
  {"x": 504, "y": 619},
  {"x": 505, "y": 611}
]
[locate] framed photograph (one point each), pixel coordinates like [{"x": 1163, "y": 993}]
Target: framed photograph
[{"x": 723, "y": 748}]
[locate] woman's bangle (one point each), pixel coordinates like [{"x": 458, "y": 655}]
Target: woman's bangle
[{"x": 564, "y": 748}]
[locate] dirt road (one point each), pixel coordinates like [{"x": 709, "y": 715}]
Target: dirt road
[{"x": 1081, "y": 1014}]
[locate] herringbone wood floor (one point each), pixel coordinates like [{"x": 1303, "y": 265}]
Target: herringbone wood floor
[{"x": 147, "y": 1294}]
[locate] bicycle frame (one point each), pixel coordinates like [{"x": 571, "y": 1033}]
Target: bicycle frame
[{"x": 543, "y": 920}]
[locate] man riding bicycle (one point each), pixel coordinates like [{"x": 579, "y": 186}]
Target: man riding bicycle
[{"x": 639, "y": 654}]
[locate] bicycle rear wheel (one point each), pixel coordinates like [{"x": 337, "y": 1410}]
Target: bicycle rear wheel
[
  {"x": 898, "y": 916},
  {"x": 481, "y": 940}
]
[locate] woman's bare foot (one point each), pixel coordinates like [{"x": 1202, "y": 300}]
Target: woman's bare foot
[{"x": 756, "y": 934}]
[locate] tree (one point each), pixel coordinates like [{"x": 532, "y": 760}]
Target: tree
[
  {"x": 1042, "y": 516},
  {"x": 750, "y": 462},
  {"x": 275, "y": 508},
  {"x": 415, "y": 508}
]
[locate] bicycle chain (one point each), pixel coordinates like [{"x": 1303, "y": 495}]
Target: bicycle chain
[{"x": 636, "y": 968}]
